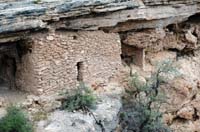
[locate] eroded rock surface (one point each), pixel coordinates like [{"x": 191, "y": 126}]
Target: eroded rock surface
[
  {"x": 31, "y": 15},
  {"x": 62, "y": 121},
  {"x": 181, "y": 110}
]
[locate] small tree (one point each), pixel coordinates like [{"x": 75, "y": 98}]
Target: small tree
[{"x": 141, "y": 108}]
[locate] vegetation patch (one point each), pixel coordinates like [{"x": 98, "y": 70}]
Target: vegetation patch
[
  {"x": 81, "y": 99},
  {"x": 142, "y": 102},
  {"x": 15, "y": 121},
  {"x": 37, "y": 1}
]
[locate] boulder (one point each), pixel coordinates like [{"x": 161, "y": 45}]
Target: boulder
[
  {"x": 191, "y": 39},
  {"x": 63, "y": 121}
]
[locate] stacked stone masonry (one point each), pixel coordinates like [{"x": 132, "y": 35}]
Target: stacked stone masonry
[{"x": 52, "y": 64}]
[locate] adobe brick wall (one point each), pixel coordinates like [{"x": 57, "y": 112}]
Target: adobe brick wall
[{"x": 52, "y": 63}]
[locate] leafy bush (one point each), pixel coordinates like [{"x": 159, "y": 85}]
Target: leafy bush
[
  {"x": 15, "y": 121},
  {"x": 142, "y": 102},
  {"x": 83, "y": 98}
]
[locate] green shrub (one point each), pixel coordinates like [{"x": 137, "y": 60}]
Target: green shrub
[
  {"x": 142, "y": 102},
  {"x": 15, "y": 121},
  {"x": 37, "y": 1},
  {"x": 83, "y": 98},
  {"x": 139, "y": 118}
]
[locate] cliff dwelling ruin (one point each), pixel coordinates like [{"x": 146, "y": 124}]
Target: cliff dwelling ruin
[
  {"x": 58, "y": 47},
  {"x": 53, "y": 61},
  {"x": 47, "y": 46}
]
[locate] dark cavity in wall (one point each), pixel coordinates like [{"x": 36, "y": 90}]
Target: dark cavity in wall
[
  {"x": 24, "y": 47},
  {"x": 133, "y": 55},
  {"x": 10, "y": 58},
  {"x": 194, "y": 18},
  {"x": 8, "y": 64},
  {"x": 80, "y": 69},
  {"x": 181, "y": 29},
  {"x": 186, "y": 25}
]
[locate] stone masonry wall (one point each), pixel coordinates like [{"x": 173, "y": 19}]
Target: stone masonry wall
[{"x": 56, "y": 58}]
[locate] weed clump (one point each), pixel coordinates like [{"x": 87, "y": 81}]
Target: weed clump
[
  {"x": 82, "y": 99},
  {"x": 15, "y": 121}
]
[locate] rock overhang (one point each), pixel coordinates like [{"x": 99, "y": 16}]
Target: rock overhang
[{"x": 26, "y": 15}]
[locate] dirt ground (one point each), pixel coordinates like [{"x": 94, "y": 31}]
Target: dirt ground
[{"x": 12, "y": 96}]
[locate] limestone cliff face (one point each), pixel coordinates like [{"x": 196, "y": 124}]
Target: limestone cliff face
[
  {"x": 86, "y": 14},
  {"x": 66, "y": 41}
]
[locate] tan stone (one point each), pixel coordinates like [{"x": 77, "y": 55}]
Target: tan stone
[
  {"x": 195, "y": 103},
  {"x": 30, "y": 101},
  {"x": 161, "y": 56},
  {"x": 180, "y": 126},
  {"x": 50, "y": 38},
  {"x": 182, "y": 87},
  {"x": 49, "y": 104},
  {"x": 197, "y": 31},
  {"x": 190, "y": 37},
  {"x": 168, "y": 118},
  {"x": 197, "y": 127},
  {"x": 178, "y": 92},
  {"x": 186, "y": 113},
  {"x": 154, "y": 40},
  {"x": 144, "y": 39},
  {"x": 172, "y": 41}
]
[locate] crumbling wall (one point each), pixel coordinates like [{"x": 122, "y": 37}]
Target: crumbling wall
[{"x": 56, "y": 58}]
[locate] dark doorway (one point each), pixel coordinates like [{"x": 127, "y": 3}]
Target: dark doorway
[
  {"x": 8, "y": 59},
  {"x": 80, "y": 69},
  {"x": 132, "y": 55}
]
